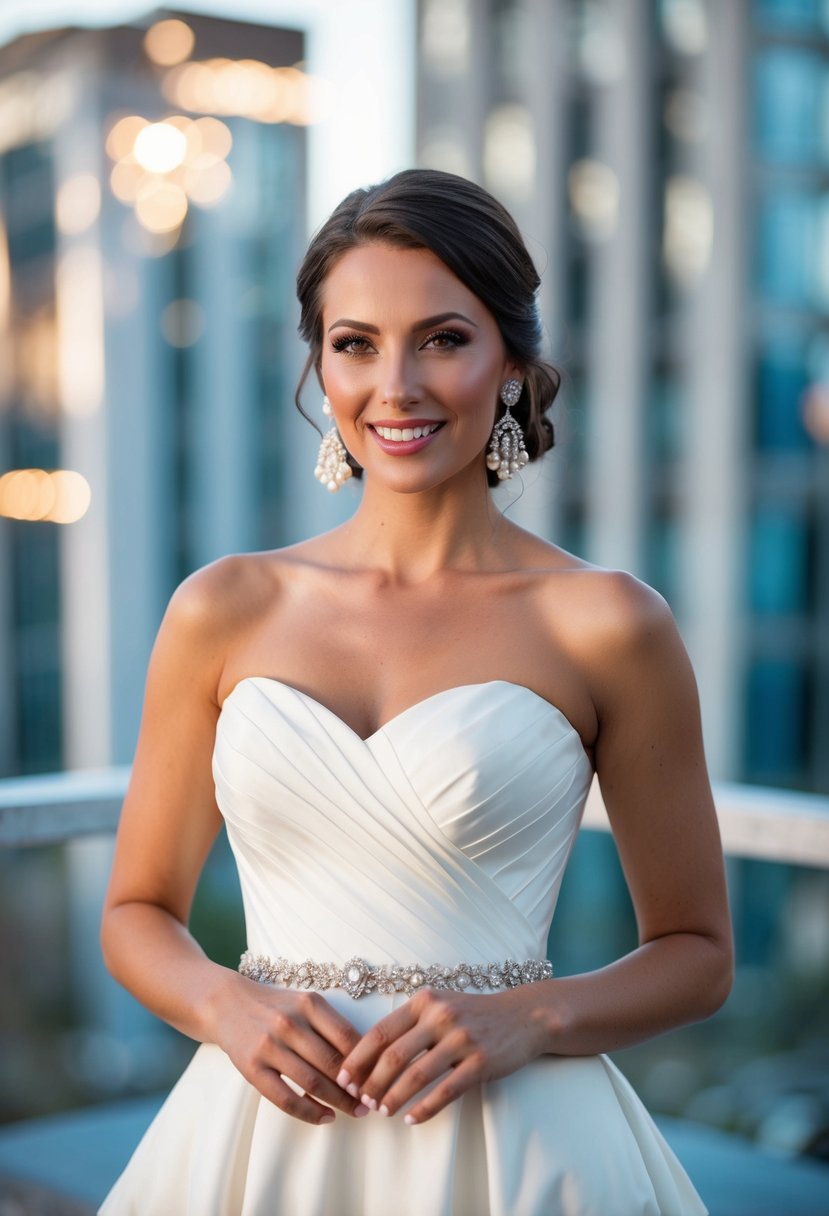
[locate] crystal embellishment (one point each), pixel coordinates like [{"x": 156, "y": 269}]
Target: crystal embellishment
[{"x": 357, "y": 977}]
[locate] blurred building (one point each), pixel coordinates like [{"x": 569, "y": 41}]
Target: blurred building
[
  {"x": 147, "y": 349},
  {"x": 667, "y": 162}
]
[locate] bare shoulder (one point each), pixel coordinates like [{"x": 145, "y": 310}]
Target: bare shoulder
[
  {"x": 616, "y": 629},
  {"x": 218, "y": 604}
]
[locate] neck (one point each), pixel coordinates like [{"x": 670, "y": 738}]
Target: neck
[{"x": 412, "y": 537}]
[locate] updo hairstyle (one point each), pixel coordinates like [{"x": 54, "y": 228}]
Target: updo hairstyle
[{"x": 477, "y": 239}]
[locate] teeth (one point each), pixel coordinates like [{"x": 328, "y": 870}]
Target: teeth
[{"x": 401, "y": 435}]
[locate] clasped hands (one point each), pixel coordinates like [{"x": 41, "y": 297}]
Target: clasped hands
[{"x": 440, "y": 1042}]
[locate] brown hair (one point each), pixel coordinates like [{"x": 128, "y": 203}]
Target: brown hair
[{"x": 477, "y": 239}]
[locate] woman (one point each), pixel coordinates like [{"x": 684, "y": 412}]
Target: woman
[{"x": 404, "y": 716}]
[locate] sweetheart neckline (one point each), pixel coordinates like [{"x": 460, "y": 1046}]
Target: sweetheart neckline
[{"x": 409, "y": 708}]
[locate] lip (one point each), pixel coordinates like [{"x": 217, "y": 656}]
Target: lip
[{"x": 403, "y": 447}]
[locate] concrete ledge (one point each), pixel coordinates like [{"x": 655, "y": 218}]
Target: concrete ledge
[{"x": 79, "y": 1155}]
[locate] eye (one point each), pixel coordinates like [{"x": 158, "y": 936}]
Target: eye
[
  {"x": 351, "y": 344},
  {"x": 446, "y": 339}
]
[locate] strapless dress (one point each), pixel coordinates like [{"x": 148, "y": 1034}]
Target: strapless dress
[{"x": 441, "y": 838}]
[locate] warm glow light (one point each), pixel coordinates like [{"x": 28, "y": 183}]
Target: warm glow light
[
  {"x": 509, "y": 152},
  {"x": 121, "y": 139},
  {"x": 214, "y": 136},
  {"x": 80, "y": 316},
  {"x": 250, "y": 89},
  {"x": 594, "y": 196},
  {"x": 161, "y": 205},
  {"x": 160, "y": 147},
  {"x": 169, "y": 42},
  {"x": 207, "y": 186},
  {"x": 72, "y": 497},
  {"x": 125, "y": 179},
  {"x": 61, "y": 497},
  {"x": 77, "y": 203},
  {"x": 688, "y": 228}
]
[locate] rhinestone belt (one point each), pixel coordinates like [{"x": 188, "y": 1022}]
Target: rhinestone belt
[{"x": 358, "y": 977}]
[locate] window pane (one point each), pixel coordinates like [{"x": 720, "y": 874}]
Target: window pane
[
  {"x": 779, "y": 559},
  {"x": 775, "y": 723},
  {"x": 789, "y": 112},
  {"x": 781, "y": 379},
  {"x": 789, "y": 253}
]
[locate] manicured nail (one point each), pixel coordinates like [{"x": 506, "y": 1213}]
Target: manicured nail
[
  {"x": 410, "y": 1119},
  {"x": 353, "y": 1090},
  {"x": 371, "y": 1103},
  {"x": 384, "y": 1110},
  {"x": 343, "y": 1078},
  {"x": 360, "y": 1111},
  {"x": 328, "y": 1117}
]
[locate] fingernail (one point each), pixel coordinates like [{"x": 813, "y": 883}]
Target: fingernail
[
  {"x": 343, "y": 1078},
  {"x": 384, "y": 1110},
  {"x": 328, "y": 1117},
  {"x": 410, "y": 1119},
  {"x": 353, "y": 1090},
  {"x": 360, "y": 1111},
  {"x": 371, "y": 1103}
]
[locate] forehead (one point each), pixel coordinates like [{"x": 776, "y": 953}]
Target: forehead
[{"x": 377, "y": 279}]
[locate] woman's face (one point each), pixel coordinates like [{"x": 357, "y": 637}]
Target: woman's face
[{"x": 412, "y": 363}]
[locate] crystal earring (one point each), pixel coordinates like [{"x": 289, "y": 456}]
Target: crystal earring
[
  {"x": 507, "y": 452},
  {"x": 332, "y": 469}
]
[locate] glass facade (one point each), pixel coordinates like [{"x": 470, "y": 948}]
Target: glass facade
[
  {"x": 682, "y": 233},
  {"x": 183, "y": 463}
]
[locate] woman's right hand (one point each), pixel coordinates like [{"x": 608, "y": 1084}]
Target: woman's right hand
[{"x": 273, "y": 1035}]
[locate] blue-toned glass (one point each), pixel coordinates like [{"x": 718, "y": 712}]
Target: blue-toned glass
[
  {"x": 781, "y": 380},
  {"x": 779, "y": 559},
  {"x": 790, "y": 89},
  {"x": 805, "y": 15},
  {"x": 775, "y": 721},
  {"x": 789, "y": 230}
]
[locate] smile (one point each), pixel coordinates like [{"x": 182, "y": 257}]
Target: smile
[{"x": 404, "y": 434}]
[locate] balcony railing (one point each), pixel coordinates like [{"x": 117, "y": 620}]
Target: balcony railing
[
  {"x": 768, "y": 824},
  {"x": 43, "y": 1157}
]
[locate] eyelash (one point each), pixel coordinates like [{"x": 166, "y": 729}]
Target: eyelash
[{"x": 342, "y": 343}]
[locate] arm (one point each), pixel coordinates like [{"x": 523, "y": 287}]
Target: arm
[
  {"x": 168, "y": 823},
  {"x": 650, "y": 762}
]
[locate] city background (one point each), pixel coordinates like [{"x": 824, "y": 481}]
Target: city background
[{"x": 160, "y": 173}]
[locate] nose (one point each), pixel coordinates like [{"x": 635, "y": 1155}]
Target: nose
[{"x": 400, "y": 386}]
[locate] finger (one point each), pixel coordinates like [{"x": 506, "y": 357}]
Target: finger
[
  {"x": 271, "y": 1086},
  {"x": 359, "y": 1063},
  {"x": 333, "y": 1027},
  {"x": 406, "y": 1066},
  {"x": 318, "y": 1086},
  {"x": 459, "y": 1080}
]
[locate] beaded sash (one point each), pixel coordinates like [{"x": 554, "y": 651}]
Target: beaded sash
[{"x": 357, "y": 977}]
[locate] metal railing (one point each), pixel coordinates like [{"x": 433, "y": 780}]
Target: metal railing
[{"x": 769, "y": 824}]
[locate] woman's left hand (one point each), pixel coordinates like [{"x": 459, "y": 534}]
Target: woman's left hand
[{"x": 463, "y": 1039}]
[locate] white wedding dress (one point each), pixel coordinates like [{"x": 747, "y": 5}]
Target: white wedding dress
[{"x": 441, "y": 838}]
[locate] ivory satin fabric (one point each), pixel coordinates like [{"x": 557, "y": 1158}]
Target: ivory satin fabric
[{"x": 442, "y": 838}]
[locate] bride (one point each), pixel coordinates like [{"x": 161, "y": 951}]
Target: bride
[{"x": 398, "y": 722}]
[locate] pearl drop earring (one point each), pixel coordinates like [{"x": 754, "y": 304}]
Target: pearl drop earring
[
  {"x": 507, "y": 451},
  {"x": 332, "y": 468}
]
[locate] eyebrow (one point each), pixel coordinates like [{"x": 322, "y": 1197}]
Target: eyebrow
[{"x": 424, "y": 324}]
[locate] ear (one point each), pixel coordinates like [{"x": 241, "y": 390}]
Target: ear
[{"x": 513, "y": 371}]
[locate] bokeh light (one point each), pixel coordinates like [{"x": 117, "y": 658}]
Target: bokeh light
[
  {"x": 60, "y": 497},
  {"x": 160, "y": 147},
  {"x": 169, "y": 42},
  {"x": 77, "y": 203},
  {"x": 161, "y": 205},
  {"x": 593, "y": 188}
]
